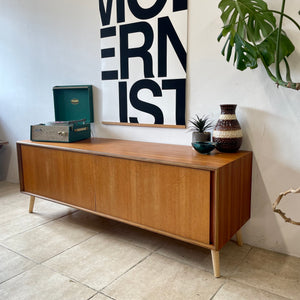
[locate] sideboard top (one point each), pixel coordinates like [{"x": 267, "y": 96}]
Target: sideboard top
[{"x": 178, "y": 155}]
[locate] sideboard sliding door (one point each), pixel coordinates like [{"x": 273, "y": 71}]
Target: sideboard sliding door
[
  {"x": 61, "y": 175},
  {"x": 166, "y": 198}
]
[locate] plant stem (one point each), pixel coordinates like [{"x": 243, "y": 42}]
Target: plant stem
[
  {"x": 277, "y": 61},
  {"x": 277, "y": 79},
  {"x": 286, "y": 16},
  {"x": 288, "y": 71}
]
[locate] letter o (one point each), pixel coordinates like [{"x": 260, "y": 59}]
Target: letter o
[{"x": 146, "y": 13}]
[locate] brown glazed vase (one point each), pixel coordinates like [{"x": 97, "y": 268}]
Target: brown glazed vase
[{"x": 228, "y": 134}]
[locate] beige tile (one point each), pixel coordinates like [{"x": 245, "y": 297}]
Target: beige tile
[
  {"x": 48, "y": 240},
  {"x": 231, "y": 255},
  {"x": 6, "y": 183},
  {"x": 14, "y": 199},
  {"x": 51, "y": 209},
  {"x": 20, "y": 224},
  {"x": 10, "y": 213},
  {"x": 90, "y": 221},
  {"x": 19, "y": 202},
  {"x": 100, "y": 297},
  {"x": 23, "y": 222},
  {"x": 12, "y": 206},
  {"x": 40, "y": 283},
  {"x": 98, "y": 261},
  {"x": 15, "y": 218},
  {"x": 12, "y": 264},
  {"x": 236, "y": 291},
  {"x": 270, "y": 271},
  {"x": 137, "y": 236},
  {"x": 6, "y": 187},
  {"x": 159, "y": 277}
]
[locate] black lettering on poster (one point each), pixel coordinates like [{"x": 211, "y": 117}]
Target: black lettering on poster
[{"x": 153, "y": 74}]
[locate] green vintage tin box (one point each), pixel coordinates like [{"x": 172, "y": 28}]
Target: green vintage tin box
[{"x": 73, "y": 106}]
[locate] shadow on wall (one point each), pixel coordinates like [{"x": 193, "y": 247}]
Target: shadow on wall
[
  {"x": 5, "y": 155},
  {"x": 270, "y": 176}
]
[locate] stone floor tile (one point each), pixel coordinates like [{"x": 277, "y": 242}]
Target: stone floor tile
[
  {"x": 276, "y": 273},
  {"x": 231, "y": 255},
  {"x": 159, "y": 277},
  {"x": 51, "y": 209},
  {"x": 98, "y": 261},
  {"x": 14, "y": 199},
  {"x": 9, "y": 213},
  {"x": 236, "y": 291},
  {"x": 137, "y": 236},
  {"x": 90, "y": 221},
  {"x": 23, "y": 222},
  {"x": 19, "y": 202},
  {"x": 15, "y": 218},
  {"x": 12, "y": 264},
  {"x": 12, "y": 205},
  {"x": 46, "y": 241},
  {"x": 7, "y": 187},
  {"x": 117, "y": 260},
  {"x": 20, "y": 224},
  {"x": 40, "y": 283},
  {"x": 100, "y": 297}
]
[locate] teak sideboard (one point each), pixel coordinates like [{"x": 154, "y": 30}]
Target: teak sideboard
[{"x": 168, "y": 189}]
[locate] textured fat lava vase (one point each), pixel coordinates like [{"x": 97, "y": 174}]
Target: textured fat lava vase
[{"x": 228, "y": 134}]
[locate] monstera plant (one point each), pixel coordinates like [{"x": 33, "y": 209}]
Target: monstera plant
[{"x": 252, "y": 34}]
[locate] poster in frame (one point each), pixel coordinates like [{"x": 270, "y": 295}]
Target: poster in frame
[{"x": 143, "y": 62}]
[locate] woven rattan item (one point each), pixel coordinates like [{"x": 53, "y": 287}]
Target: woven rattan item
[{"x": 280, "y": 212}]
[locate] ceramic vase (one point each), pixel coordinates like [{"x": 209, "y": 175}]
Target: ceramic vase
[{"x": 228, "y": 134}]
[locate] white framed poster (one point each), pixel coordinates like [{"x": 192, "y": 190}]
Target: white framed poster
[{"x": 143, "y": 62}]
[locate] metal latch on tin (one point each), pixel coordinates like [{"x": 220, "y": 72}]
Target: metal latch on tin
[{"x": 62, "y": 133}]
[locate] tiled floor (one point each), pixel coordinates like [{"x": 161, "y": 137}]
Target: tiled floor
[{"x": 61, "y": 253}]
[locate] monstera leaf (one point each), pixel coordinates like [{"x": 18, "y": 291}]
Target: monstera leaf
[
  {"x": 245, "y": 21},
  {"x": 251, "y": 33},
  {"x": 267, "y": 48},
  {"x": 245, "y": 54},
  {"x": 250, "y": 19}
]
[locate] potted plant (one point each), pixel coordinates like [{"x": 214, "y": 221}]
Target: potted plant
[
  {"x": 252, "y": 34},
  {"x": 200, "y": 126}
]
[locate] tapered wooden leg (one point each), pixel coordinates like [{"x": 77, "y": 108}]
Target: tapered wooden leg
[
  {"x": 239, "y": 239},
  {"x": 31, "y": 203},
  {"x": 216, "y": 262}
]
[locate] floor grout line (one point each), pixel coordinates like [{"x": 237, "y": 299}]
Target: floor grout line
[
  {"x": 16, "y": 275},
  {"x": 186, "y": 262},
  {"x": 42, "y": 264},
  {"x": 34, "y": 227},
  {"x": 75, "y": 245},
  {"x": 90, "y": 298},
  {"x": 217, "y": 291},
  {"x": 241, "y": 262},
  {"x": 128, "y": 270},
  {"x": 228, "y": 279},
  {"x": 101, "y": 293},
  {"x": 71, "y": 278},
  {"x": 257, "y": 288},
  {"x": 20, "y": 254}
]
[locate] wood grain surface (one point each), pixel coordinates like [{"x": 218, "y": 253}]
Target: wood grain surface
[
  {"x": 232, "y": 205},
  {"x": 178, "y": 155},
  {"x": 167, "y": 198},
  {"x": 169, "y": 189},
  {"x": 60, "y": 175}
]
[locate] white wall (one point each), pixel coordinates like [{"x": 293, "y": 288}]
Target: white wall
[{"x": 47, "y": 43}]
